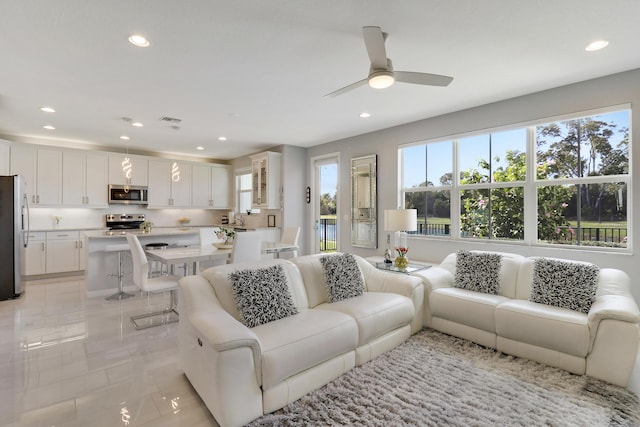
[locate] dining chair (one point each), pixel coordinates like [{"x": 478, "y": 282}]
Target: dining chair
[
  {"x": 208, "y": 237},
  {"x": 290, "y": 236},
  {"x": 247, "y": 246},
  {"x": 152, "y": 285}
]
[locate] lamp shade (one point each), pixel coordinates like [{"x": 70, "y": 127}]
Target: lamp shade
[{"x": 400, "y": 219}]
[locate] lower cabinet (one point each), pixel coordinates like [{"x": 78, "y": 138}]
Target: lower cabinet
[
  {"x": 53, "y": 252},
  {"x": 34, "y": 256}
]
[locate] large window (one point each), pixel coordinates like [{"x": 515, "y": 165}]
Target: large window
[{"x": 561, "y": 182}]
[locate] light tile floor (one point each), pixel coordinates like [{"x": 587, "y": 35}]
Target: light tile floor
[{"x": 70, "y": 360}]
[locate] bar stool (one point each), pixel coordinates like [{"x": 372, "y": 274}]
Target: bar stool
[{"x": 121, "y": 294}]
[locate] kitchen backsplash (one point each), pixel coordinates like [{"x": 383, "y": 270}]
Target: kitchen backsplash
[{"x": 69, "y": 218}]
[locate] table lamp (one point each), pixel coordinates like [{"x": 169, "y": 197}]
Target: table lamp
[{"x": 399, "y": 221}]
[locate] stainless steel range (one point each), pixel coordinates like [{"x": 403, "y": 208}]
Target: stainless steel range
[{"x": 124, "y": 221}]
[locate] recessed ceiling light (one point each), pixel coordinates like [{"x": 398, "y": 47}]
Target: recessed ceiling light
[
  {"x": 596, "y": 45},
  {"x": 137, "y": 124},
  {"x": 222, "y": 138},
  {"x": 199, "y": 148},
  {"x": 138, "y": 40},
  {"x": 125, "y": 137},
  {"x": 365, "y": 115},
  {"x": 49, "y": 127},
  {"x": 48, "y": 110}
]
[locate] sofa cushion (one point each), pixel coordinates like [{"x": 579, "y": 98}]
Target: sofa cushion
[
  {"x": 296, "y": 343},
  {"x": 343, "y": 277},
  {"x": 262, "y": 295},
  {"x": 220, "y": 281},
  {"x": 564, "y": 284},
  {"x": 543, "y": 325},
  {"x": 478, "y": 271},
  {"x": 469, "y": 308},
  {"x": 375, "y": 313}
]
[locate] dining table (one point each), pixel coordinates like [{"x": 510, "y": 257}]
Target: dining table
[{"x": 185, "y": 255}]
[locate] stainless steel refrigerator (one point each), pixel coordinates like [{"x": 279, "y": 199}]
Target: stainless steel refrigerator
[{"x": 14, "y": 224}]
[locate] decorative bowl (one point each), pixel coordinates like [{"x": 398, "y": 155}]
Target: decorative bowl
[{"x": 222, "y": 245}]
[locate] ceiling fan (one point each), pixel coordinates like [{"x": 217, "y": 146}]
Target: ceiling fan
[{"x": 381, "y": 73}]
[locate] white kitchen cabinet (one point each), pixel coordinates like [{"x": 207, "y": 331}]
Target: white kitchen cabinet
[
  {"x": 63, "y": 252},
  {"x": 84, "y": 179},
  {"x": 139, "y": 170},
  {"x": 211, "y": 186},
  {"x": 34, "y": 255},
  {"x": 265, "y": 180},
  {"x": 42, "y": 169},
  {"x": 169, "y": 184}
]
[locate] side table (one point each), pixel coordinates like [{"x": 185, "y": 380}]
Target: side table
[{"x": 391, "y": 267}]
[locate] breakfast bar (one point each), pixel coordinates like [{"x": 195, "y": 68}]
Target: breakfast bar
[{"x": 101, "y": 266}]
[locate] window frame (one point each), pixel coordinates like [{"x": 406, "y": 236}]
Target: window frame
[{"x": 530, "y": 185}]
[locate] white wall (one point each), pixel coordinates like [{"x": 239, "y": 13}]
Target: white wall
[{"x": 602, "y": 92}]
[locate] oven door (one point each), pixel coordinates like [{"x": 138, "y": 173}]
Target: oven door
[{"x": 128, "y": 195}]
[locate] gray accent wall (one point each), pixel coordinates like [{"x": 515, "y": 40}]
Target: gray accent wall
[{"x": 606, "y": 91}]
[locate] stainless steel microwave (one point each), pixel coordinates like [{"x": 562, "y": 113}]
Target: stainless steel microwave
[{"x": 128, "y": 194}]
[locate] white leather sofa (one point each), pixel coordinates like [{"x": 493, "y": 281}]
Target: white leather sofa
[
  {"x": 601, "y": 343},
  {"x": 242, "y": 373}
]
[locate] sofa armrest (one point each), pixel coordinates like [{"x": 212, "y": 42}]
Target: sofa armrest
[
  {"x": 434, "y": 278},
  {"x": 403, "y": 284},
  {"x": 616, "y": 307},
  {"x": 213, "y": 324},
  {"x": 385, "y": 281},
  {"x": 613, "y": 298}
]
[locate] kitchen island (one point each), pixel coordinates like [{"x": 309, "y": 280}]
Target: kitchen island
[{"x": 100, "y": 265}]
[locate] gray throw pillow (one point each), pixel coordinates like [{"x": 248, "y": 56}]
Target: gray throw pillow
[
  {"x": 343, "y": 277},
  {"x": 478, "y": 271},
  {"x": 564, "y": 284},
  {"x": 262, "y": 295}
]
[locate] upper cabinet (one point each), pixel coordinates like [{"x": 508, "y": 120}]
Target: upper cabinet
[
  {"x": 84, "y": 179},
  {"x": 42, "y": 169},
  {"x": 265, "y": 177},
  {"x": 169, "y": 184},
  {"x": 210, "y": 188},
  {"x": 136, "y": 167}
]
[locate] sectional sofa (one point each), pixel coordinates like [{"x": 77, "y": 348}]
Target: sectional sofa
[
  {"x": 249, "y": 353},
  {"x": 586, "y": 322},
  {"x": 257, "y": 336}
]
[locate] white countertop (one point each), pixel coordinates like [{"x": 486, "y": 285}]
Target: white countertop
[{"x": 157, "y": 231}]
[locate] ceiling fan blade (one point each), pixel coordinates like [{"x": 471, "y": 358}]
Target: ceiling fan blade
[
  {"x": 346, "y": 89},
  {"x": 422, "y": 78},
  {"x": 374, "y": 41}
]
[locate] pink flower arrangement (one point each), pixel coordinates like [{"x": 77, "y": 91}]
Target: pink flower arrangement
[{"x": 402, "y": 251}]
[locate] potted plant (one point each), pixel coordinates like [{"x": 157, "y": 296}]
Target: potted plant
[{"x": 226, "y": 234}]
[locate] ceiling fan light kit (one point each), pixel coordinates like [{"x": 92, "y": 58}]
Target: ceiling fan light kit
[
  {"x": 381, "y": 79},
  {"x": 381, "y": 73}
]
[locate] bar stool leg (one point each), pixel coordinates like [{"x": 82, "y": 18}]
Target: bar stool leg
[{"x": 121, "y": 294}]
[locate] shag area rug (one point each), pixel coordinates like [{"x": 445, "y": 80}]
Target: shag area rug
[{"x": 434, "y": 379}]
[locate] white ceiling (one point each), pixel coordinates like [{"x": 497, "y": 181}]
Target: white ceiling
[{"x": 256, "y": 71}]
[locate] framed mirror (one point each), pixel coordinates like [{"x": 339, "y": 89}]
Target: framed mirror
[{"x": 364, "y": 215}]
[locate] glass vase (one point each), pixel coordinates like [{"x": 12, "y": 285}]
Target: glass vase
[{"x": 401, "y": 262}]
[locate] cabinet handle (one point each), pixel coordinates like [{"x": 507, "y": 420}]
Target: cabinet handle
[
  {"x": 33, "y": 198},
  {"x": 62, "y": 235},
  {"x": 38, "y": 198},
  {"x": 80, "y": 244},
  {"x": 76, "y": 242},
  {"x": 87, "y": 199},
  {"x": 42, "y": 246}
]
